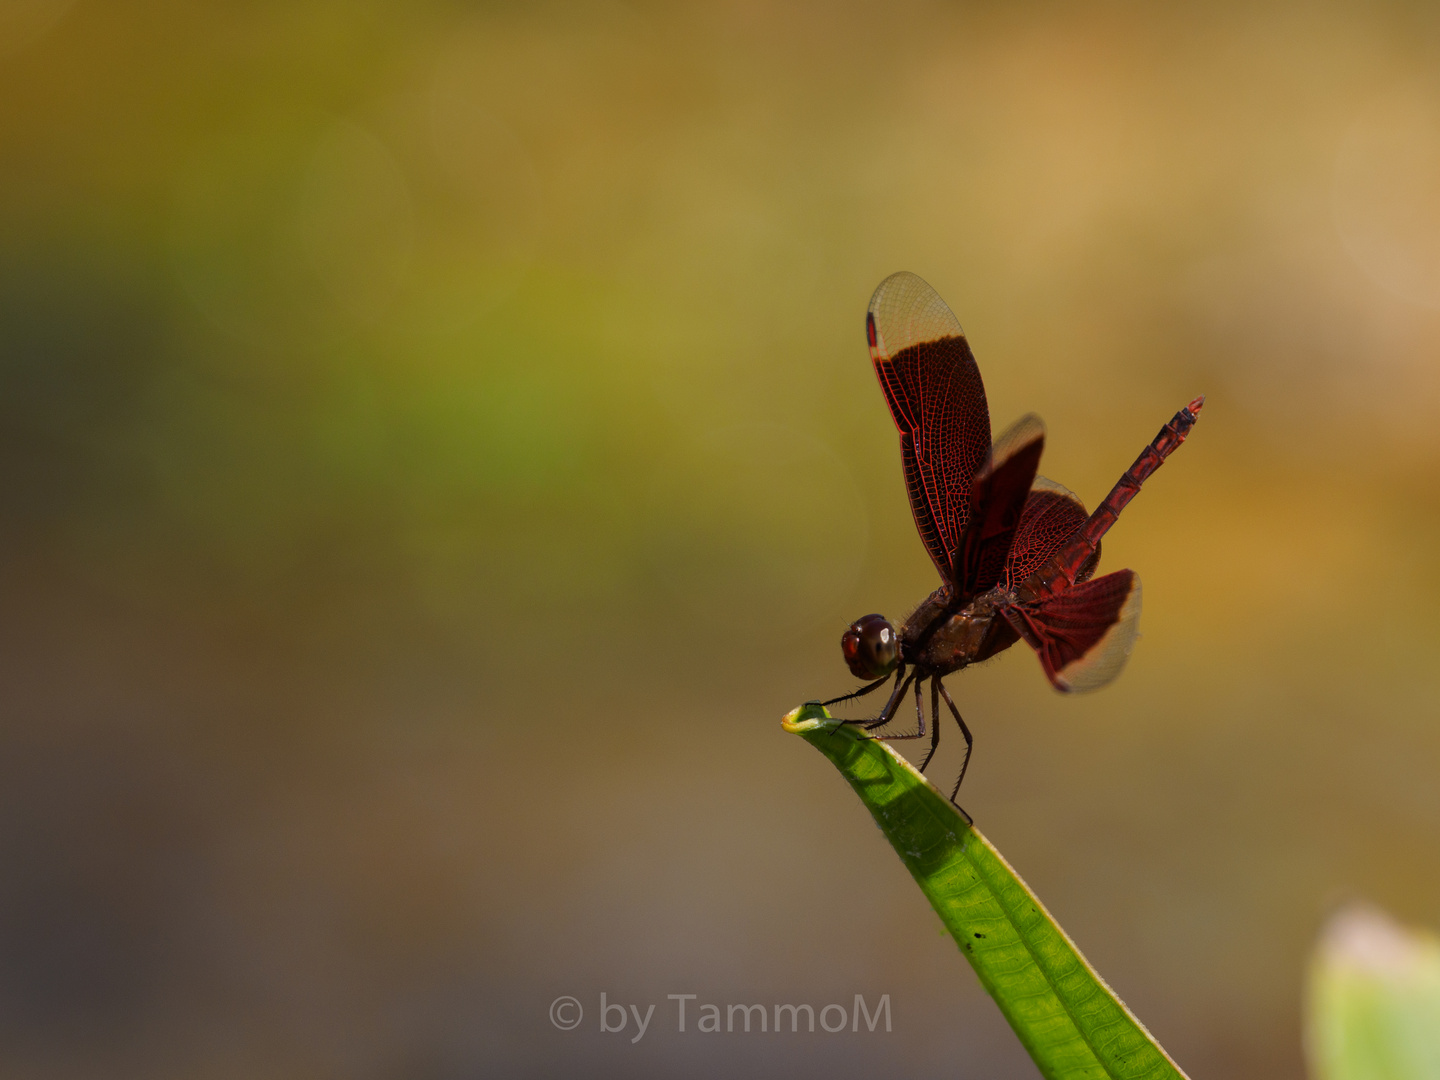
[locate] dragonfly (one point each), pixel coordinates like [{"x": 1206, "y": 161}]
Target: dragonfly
[{"x": 1016, "y": 552}]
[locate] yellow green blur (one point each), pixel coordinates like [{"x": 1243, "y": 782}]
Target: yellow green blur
[{"x": 436, "y": 439}]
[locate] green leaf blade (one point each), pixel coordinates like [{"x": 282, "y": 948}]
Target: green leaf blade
[{"x": 1067, "y": 1018}]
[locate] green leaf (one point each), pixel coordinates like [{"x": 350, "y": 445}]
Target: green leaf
[
  {"x": 1071, "y": 1023},
  {"x": 1374, "y": 1001}
]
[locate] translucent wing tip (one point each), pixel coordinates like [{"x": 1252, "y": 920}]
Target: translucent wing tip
[
  {"x": 1044, "y": 483},
  {"x": 904, "y": 311},
  {"x": 1013, "y": 439},
  {"x": 1103, "y": 661}
]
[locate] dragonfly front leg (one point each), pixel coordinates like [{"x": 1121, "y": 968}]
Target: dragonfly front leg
[
  {"x": 901, "y": 685},
  {"x": 859, "y": 693},
  {"x": 919, "y": 714}
]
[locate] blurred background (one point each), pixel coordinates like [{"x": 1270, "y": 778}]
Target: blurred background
[{"x": 437, "y": 444}]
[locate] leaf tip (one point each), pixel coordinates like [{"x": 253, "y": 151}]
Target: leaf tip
[{"x": 808, "y": 717}]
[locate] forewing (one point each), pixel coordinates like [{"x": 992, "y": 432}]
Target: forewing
[
  {"x": 937, "y": 400},
  {"x": 1051, "y": 516},
  {"x": 1083, "y": 635},
  {"x": 998, "y": 496}
]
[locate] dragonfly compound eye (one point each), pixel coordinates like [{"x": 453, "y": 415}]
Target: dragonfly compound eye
[{"x": 871, "y": 648}]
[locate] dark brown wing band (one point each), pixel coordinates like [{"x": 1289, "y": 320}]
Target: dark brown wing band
[{"x": 937, "y": 400}]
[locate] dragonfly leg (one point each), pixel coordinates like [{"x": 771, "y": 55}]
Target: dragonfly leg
[
  {"x": 888, "y": 714},
  {"x": 857, "y": 694},
  {"x": 934, "y": 721},
  {"x": 969, "y": 746},
  {"x": 919, "y": 712}
]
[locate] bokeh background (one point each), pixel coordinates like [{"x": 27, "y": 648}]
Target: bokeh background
[{"x": 437, "y": 444}]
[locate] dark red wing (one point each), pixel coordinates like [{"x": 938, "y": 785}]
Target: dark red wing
[
  {"x": 1052, "y": 515},
  {"x": 937, "y": 399},
  {"x": 1083, "y": 635},
  {"x": 997, "y": 498},
  {"x": 1077, "y": 558}
]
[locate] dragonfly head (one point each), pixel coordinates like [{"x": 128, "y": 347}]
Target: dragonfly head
[{"x": 871, "y": 647}]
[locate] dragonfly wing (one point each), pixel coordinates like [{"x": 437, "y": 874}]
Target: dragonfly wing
[
  {"x": 1083, "y": 635},
  {"x": 1052, "y": 514},
  {"x": 937, "y": 400},
  {"x": 998, "y": 497}
]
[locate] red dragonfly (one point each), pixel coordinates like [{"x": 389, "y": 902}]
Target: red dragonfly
[{"x": 1015, "y": 551}]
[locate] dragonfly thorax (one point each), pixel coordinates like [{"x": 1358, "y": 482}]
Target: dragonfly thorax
[{"x": 944, "y": 635}]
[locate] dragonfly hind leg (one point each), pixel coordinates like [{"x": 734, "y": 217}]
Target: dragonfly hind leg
[
  {"x": 969, "y": 747},
  {"x": 934, "y": 722}
]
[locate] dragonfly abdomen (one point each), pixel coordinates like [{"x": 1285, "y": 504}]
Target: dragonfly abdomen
[{"x": 1061, "y": 569}]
